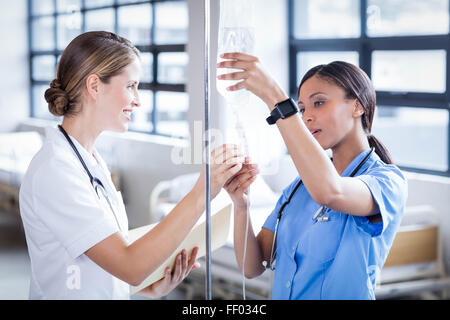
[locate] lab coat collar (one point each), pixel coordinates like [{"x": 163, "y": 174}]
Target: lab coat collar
[
  {"x": 94, "y": 162},
  {"x": 55, "y": 135}
]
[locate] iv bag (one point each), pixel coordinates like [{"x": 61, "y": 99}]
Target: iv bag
[{"x": 236, "y": 34}]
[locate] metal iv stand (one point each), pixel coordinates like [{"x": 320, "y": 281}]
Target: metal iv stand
[{"x": 207, "y": 153}]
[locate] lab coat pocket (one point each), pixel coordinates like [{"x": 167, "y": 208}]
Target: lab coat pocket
[{"x": 321, "y": 241}]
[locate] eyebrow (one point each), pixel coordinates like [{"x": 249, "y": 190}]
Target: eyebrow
[
  {"x": 315, "y": 94},
  {"x": 312, "y": 96}
]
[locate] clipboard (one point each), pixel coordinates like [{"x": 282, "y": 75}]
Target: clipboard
[{"x": 220, "y": 227}]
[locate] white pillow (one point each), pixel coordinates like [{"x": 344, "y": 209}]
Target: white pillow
[
  {"x": 181, "y": 185},
  {"x": 260, "y": 193}
]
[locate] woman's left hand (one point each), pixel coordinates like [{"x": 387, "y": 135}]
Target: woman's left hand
[
  {"x": 255, "y": 78},
  {"x": 238, "y": 186},
  {"x": 173, "y": 278}
]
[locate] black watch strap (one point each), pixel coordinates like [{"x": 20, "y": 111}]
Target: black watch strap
[
  {"x": 272, "y": 119},
  {"x": 282, "y": 110}
]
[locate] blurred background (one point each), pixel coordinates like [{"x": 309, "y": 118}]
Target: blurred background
[{"x": 401, "y": 44}]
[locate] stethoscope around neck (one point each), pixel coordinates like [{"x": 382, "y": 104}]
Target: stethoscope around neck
[
  {"x": 319, "y": 215},
  {"x": 95, "y": 182}
]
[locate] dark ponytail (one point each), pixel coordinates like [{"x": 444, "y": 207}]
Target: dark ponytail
[
  {"x": 380, "y": 149},
  {"x": 356, "y": 85}
]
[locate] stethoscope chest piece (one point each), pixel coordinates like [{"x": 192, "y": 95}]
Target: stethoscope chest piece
[
  {"x": 323, "y": 219},
  {"x": 321, "y": 215}
]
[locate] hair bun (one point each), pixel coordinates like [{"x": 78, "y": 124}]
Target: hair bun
[
  {"x": 55, "y": 84},
  {"x": 57, "y": 99}
]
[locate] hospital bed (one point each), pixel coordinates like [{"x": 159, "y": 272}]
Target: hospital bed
[
  {"x": 226, "y": 277},
  {"x": 16, "y": 151},
  {"x": 415, "y": 264}
]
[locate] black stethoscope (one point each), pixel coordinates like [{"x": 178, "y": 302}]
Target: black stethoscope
[
  {"x": 319, "y": 215},
  {"x": 96, "y": 183}
]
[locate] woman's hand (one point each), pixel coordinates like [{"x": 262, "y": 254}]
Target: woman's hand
[
  {"x": 255, "y": 79},
  {"x": 173, "y": 278},
  {"x": 238, "y": 186},
  {"x": 226, "y": 161}
]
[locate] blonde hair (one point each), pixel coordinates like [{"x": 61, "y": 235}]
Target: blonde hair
[{"x": 97, "y": 52}]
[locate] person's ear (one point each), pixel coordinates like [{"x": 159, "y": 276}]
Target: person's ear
[
  {"x": 358, "y": 109},
  {"x": 93, "y": 86}
]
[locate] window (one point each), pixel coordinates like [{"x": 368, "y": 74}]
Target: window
[
  {"x": 407, "y": 61},
  {"x": 158, "y": 28}
]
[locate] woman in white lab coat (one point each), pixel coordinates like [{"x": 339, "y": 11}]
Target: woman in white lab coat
[{"x": 75, "y": 221}]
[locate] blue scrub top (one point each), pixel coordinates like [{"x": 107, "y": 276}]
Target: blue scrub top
[{"x": 339, "y": 258}]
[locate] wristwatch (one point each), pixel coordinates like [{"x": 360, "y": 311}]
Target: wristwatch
[{"x": 282, "y": 110}]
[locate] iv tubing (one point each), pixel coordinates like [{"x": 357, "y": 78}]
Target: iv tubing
[{"x": 242, "y": 137}]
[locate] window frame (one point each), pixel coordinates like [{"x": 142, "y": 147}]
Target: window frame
[
  {"x": 152, "y": 48},
  {"x": 365, "y": 45}
]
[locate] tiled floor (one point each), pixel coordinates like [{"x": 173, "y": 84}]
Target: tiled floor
[{"x": 14, "y": 260}]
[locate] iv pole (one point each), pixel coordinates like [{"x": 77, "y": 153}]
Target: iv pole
[{"x": 207, "y": 153}]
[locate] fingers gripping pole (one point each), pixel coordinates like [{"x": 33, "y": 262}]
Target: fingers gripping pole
[{"x": 208, "y": 293}]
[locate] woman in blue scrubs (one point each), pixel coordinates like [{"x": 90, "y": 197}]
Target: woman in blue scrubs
[{"x": 338, "y": 218}]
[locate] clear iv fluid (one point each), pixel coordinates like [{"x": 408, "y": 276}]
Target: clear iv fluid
[
  {"x": 234, "y": 40},
  {"x": 236, "y": 34}
]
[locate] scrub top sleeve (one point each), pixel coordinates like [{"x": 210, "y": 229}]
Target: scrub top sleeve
[
  {"x": 68, "y": 206},
  {"x": 271, "y": 220},
  {"x": 389, "y": 190}
]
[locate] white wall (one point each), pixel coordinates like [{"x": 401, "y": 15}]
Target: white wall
[{"x": 14, "y": 98}]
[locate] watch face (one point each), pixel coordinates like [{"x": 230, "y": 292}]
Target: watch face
[{"x": 286, "y": 107}]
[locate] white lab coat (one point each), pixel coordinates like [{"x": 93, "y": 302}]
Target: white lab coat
[{"x": 63, "y": 217}]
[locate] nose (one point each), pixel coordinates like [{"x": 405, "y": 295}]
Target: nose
[
  {"x": 136, "y": 100},
  {"x": 307, "y": 116}
]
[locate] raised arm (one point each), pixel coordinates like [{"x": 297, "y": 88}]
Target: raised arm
[
  {"x": 319, "y": 175},
  {"x": 133, "y": 263}
]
